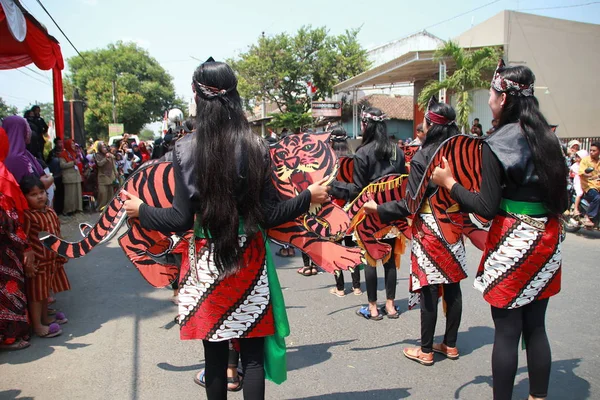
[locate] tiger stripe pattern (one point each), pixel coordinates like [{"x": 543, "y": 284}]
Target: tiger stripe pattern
[
  {"x": 153, "y": 183},
  {"x": 346, "y": 170}
]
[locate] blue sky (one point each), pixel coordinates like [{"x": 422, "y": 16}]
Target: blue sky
[{"x": 174, "y": 32}]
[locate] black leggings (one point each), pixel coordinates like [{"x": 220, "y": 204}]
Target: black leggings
[
  {"x": 339, "y": 278},
  {"x": 530, "y": 321},
  {"x": 429, "y": 309},
  {"x": 216, "y": 355},
  {"x": 390, "y": 274}
]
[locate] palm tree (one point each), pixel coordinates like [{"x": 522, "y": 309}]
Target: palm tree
[{"x": 471, "y": 68}]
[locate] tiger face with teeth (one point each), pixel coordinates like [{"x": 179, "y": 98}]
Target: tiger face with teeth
[
  {"x": 298, "y": 161},
  {"x": 301, "y": 159}
]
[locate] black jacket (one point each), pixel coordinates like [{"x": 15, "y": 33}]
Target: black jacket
[{"x": 180, "y": 217}]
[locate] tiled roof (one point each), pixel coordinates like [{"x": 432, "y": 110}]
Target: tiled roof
[{"x": 396, "y": 107}]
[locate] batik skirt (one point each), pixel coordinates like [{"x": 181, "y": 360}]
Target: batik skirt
[
  {"x": 433, "y": 261},
  {"x": 237, "y": 306},
  {"x": 521, "y": 262}
]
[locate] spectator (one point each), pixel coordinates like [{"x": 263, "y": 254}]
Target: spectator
[
  {"x": 53, "y": 162},
  {"x": 158, "y": 149},
  {"x": 137, "y": 153},
  {"x": 39, "y": 121},
  {"x": 105, "y": 162},
  {"x": 476, "y": 128},
  {"x": 129, "y": 163},
  {"x": 590, "y": 183},
  {"x": 493, "y": 128},
  {"x": 124, "y": 146},
  {"x": 71, "y": 177},
  {"x": 21, "y": 162},
  {"x": 144, "y": 152},
  {"x": 420, "y": 137},
  {"x": 14, "y": 326}
]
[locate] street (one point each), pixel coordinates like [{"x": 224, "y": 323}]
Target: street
[{"x": 121, "y": 341}]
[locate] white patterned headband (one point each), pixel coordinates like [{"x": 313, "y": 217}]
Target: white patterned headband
[
  {"x": 504, "y": 85},
  {"x": 364, "y": 116}
]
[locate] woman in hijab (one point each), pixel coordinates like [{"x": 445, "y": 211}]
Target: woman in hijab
[
  {"x": 144, "y": 152},
  {"x": 19, "y": 161},
  {"x": 71, "y": 179}
]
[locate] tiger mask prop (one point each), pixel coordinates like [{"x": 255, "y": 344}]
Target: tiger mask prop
[{"x": 298, "y": 160}]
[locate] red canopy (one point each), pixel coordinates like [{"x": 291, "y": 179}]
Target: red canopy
[{"x": 39, "y": 48}]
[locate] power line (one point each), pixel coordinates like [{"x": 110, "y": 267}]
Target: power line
[
  {"x": 556, "y": 7},
  {"x": 460, "y": 15},
  {"x": 61, "y": 31},
  {"x": 33, "y": 77},
  {"x": 38, "y": 73}
]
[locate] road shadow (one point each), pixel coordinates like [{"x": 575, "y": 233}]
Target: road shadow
[
  {"x": 13, "y": 394},
  {"x": 564, "y": 383},
  {"x": 398, "y": 393},
  {"x": 304, "y": 356},
  {"x": 182, "y": 368},
  {"x": 105, "y": 287}
]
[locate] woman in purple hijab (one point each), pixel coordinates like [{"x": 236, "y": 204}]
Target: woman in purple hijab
[{"x": 20, "y": 162}]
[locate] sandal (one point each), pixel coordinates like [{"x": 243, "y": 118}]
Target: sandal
[
  {"x": 304, "y": 271},
  {"x": 283, "y": 252},
  {"x": 357, "y": 291},
  {"x": 53, "y": 331},
  {"x": 396, "y": 315},
  {"x": 61, "y": 318},
  {"x": 239, "y": 380},
  {"x": 415, "y": 354},
  {"x": 450, "y": 352},
  {"x": 314, "y": 271},
  {"x": 336, "y": 292},
  {"x": 51, "y": 311},
  {"x": 18, "y": 344},
  {"x": 200, "y": 380},
  {"x": 364, "y": 312}
]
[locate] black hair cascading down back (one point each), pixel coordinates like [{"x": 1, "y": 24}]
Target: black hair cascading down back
[
  {"x": 230, "y": 167},
  {"x": 437, "y": 134},
  {"x": 376, "y": 131},
  {"x": 340, "y": 146},
  {"x": 544, "y": 144}
]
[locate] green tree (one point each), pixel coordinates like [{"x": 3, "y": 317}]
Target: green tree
[
  {"x": 143, "y": 89},
  {"x": 147, "y": 134},
  {"x": 276, "y": 69},
  {"x": 46, "y": 110},
  {"x": 472, "y": 68},
  {"x": 6, "y": 110}
]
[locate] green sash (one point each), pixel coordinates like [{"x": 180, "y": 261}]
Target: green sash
[{"x": 275, "y": 350}]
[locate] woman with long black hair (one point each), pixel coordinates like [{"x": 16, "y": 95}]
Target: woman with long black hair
[
  {"x": 523, "y": 190},
  {"x": 377, "y": 156},
  {"x": 228, "y": 285},
  {"x": 435, "y": 265}
]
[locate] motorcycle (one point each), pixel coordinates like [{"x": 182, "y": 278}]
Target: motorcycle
[{"x": 572, "y": 220}]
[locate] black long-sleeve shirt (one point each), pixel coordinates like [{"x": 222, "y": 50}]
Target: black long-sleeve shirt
[
  {"x": 486, "y": 202},
  {"x": 180, "y": 217},
  {"x": 367, "y": 168}
]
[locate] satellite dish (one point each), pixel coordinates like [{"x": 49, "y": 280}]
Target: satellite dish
[
  {"x": 15, "y": 20},
  {"x": 175, "y": 115}
]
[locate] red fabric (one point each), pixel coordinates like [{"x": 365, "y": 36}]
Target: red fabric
[
  {"x": 39, "y": 48},
  {"x": 68, "y": 154}
]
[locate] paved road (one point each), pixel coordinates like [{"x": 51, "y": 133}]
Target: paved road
[{"x": 121, "y": 343}]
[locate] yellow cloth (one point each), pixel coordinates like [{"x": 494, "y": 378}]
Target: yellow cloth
[
  {"x": 593, "y": 182},
  {"x": 426, "y": 208}
]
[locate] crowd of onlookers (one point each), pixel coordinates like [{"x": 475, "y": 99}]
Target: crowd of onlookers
[{"x": 38, "y": 182}]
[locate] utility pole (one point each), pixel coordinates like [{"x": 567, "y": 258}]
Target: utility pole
[{"x": 114, "y": 100}]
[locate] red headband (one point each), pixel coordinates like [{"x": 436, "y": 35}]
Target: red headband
[{"x": 437, "y": 118}]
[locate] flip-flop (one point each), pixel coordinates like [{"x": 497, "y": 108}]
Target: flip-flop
[
  {"x": 53, "y": 331},
  {"x": 304, "y": 271},
  {"x": 384, "y": 311},
  {"x": 365, "y": 313},
  {"x": 357, "y": 291},
  {"x": 51, "y": 311},
  {"x": 18, "y": 344},
  {"x": 61, "y": 318},
  {"x": 335, "y": 292},
  {"x": 199, "y": 379}
]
